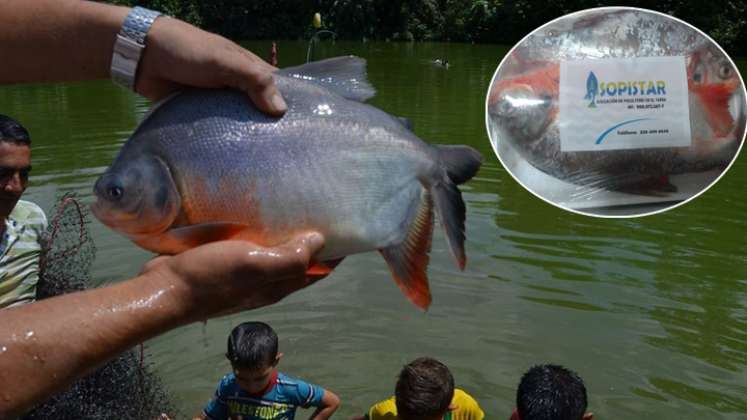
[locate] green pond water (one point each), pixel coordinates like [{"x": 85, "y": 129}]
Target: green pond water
[{"x": 652, "y": 312}]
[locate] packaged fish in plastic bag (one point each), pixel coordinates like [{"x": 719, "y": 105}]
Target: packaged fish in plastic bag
[{"x": 616, "y": 111}]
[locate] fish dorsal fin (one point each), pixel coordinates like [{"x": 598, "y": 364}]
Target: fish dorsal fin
[
  {"x": 408, "y": 260},
  {"x": 346, "y": 76}
]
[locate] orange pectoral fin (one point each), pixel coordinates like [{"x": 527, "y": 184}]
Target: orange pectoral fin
[
  {"x": 321, "y": 269},
  {"x": 180, "y": 239}
]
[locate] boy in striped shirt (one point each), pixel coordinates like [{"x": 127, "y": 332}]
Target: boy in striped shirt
[{"x": 256, "y": 390}]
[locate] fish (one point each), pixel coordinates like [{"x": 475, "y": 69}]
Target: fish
[
  {"x": 523, "y": 102},
  {"x": 592, "y": 86},
  {"x": 206, "y": 165}
]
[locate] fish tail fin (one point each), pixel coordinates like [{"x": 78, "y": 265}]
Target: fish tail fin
[
  {"x": 408, "y": 260},
  {"x": 461, "y": 162}
]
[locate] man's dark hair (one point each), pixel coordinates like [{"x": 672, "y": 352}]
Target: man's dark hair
[
  {"x": 551, "y": 392},
  {"x": 252, "y": 345},
  {"x": 424, "y": 389},
  {"x": 12, "y": 131}
]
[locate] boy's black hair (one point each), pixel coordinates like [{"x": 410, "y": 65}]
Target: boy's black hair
[
  {"x": 551, "y": 392},
  {"x": 252, "y": 345},
  {"x": 424, "y": 389},
  {"x": 12, "y": 131}
]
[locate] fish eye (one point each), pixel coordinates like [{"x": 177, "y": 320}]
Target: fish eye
[
  {"x": 503, "y": 107},
  {"x": 546, "y": 100},
  {"x": 115, "y": 192},
  {"x": 698, "y": 73},
  {"x": 724, "y": 71}
]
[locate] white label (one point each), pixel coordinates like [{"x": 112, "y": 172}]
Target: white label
[{"x": 631, "y": 103}]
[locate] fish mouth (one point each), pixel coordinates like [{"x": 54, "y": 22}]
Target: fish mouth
[
  {"x": 125, "y": 222},
  {"x": 100, "y": 213},
  {"x": 108, "y": 217}
]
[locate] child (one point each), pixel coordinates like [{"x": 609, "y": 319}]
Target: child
[
  {"x": 256, "y": 390},
  {"x": 425, "y": 391},
  {"x": 551, "y": 392}
]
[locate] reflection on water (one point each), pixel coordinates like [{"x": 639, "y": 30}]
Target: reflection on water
[{"x": 652, "y": 312}]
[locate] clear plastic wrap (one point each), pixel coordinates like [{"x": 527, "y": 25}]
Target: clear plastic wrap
[{"x": 616, "y": 111}]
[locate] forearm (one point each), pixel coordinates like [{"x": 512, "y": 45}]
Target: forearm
[
  {"x": 329, "y": 404},
  {"x": 78, "y": 333},
  {"x": 323, "y": 413},
  {"x": 46, "y": 345},
  {"x": 77, "y": 36}
]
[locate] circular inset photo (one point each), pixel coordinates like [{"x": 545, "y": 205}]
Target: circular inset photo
[{"x": 616, "y": 112}]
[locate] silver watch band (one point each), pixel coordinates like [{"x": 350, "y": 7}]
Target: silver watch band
[{"x": 129, "y": 45}]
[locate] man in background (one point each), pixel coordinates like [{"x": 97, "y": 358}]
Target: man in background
[{"x": 23, "y": 222}]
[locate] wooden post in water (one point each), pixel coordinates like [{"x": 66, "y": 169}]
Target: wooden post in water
[{"x": 274, "y": 54}]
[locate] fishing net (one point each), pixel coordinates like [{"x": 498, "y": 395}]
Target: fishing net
[
  {"x": 67, "y": 250},
  {"x": 124, "y": 388}
]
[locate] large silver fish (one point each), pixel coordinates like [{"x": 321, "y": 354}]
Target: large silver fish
[
  {"x": 206, "y": 166},
  {"x": 523, "y": 103}
]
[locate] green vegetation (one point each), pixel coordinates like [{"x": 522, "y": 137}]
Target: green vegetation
[{"x": 488, "y": 21}]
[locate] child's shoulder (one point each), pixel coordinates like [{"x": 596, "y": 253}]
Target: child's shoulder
[
  {"x": 229, "y": 386},
  {"x": 228, "y": 380},
  {"x": 291, "y": 381},
  {"x": 287, "y": 380},
  {"x": 300, "y": 392}
]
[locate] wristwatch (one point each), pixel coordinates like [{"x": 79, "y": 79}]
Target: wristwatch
[{"x": 129, "y": 45}]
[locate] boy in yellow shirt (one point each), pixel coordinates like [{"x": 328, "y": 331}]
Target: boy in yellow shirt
[{"x": 425, "y": 391}]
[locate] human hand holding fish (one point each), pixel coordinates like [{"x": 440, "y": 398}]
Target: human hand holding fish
[
  {"x": 230, "y": 276},
  {"x": 180, "y": 55}
]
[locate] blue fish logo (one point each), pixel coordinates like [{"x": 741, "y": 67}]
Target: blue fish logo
[{"x": 592, "y": 87}]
